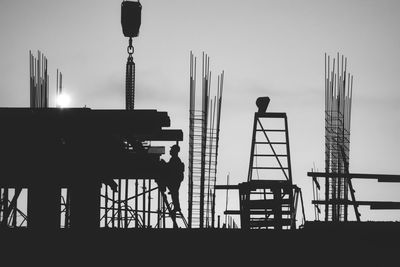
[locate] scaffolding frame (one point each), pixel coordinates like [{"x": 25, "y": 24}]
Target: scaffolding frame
[
  {"x": 144, "y": 206},
  {"x": 268, "y": 199}
]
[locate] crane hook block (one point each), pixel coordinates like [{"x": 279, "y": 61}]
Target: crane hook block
[
  {"x": 262, "y": 104},
  {"x": 131, "y": 16}
]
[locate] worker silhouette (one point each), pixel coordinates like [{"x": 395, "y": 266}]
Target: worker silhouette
[{"x": 173, "y": 178}]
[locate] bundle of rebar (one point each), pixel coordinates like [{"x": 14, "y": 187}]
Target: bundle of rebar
[
  {"x": 338, "y": 95},
  {"x": 39, "y": 81},
  {"x": 204, "y": 125}
]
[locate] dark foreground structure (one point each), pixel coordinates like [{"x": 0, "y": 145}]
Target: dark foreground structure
[
  {"x": 358, "y": 244},
  {"x": 46, "y": 150}
]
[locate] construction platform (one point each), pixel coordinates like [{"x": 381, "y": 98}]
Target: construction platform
[{"x": 47, "y": 150}]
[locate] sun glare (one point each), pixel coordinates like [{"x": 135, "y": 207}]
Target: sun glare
[{"x": 63, "y": 100}]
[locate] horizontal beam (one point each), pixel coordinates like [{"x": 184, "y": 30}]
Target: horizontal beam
[
  {"x": 226, "y": 187},
  {"x": 66, "y": 121},
  {"x": 375, "y": 205},
  {"x": 270, "y": 143},
  {"x": 270, "y": 168},
  {"x": 387, "y": 178},
  {"x": 270, "y": 155},
  {"x": 270, "y": 222},
  {"x": 161, "y": 135},
  {"x": 232, "y": 212},
  {"x": 265, "y": 203},
  {"x": 271, "y": 115},
  {"x": 256, "y": 212},
  {"x": 270, "y": 130},
  {"x": 259, "y": 184}
]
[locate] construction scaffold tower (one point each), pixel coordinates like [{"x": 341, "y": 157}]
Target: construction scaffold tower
[
  {"x": 338, "y": 94},
  {"x": 269, "y": 199},
  {"x": 338, "y": 187},
  {"x": 204, "y": 126}
]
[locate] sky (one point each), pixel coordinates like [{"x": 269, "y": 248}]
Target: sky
[{"x": 265, "y": 48}]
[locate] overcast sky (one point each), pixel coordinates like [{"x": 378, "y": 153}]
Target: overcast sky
[{"x": 266, "y": 48}]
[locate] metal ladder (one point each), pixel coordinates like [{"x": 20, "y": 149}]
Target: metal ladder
[
  {"x": 172, "y": 214},
  {"x": 282, "y": 158}
]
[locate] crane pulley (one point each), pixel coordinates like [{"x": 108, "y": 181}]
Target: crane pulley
[{"x": 131, "y": 16}]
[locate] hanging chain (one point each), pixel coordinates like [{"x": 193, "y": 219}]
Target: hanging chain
[
  {"x": 130, "y": 79},
  {"x": 130, "y": 48}
]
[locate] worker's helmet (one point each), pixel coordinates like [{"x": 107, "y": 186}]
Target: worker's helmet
[{"x": 175, "y": 148}]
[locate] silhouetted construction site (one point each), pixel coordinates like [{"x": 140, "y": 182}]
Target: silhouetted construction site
[{"x": 83, "y": 170}]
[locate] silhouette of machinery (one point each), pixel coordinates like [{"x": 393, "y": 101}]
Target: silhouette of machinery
[
  {"x": 47, "y": 149},
  {"x": 269, "y": 199}
]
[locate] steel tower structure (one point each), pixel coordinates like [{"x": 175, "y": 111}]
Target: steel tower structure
[
  {"x": 204, "y": 125},
  {"x": 338, "y": 96}
]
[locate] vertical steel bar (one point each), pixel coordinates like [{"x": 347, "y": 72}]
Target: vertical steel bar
[
  {"x": 288, "y": 151},
  {"x": 226, "y": 199},
  {"x": 57, "y": 92},
  {"x": 149, "y": 205},
  {"x": 144, "y": 202},
  {"x": 210, "y": 141},
  {"x": 5, "y": 204},
  {"x": 163, "y": 212},
  {"x": 327, "y": 144},
  {"x": 158, "y": 209},
  {"x": 113, "y": 210},
  {"x": 106, "y": 206},
  {"x": 119, "y": 214},
  {"x": 136, "y": 203},
  {"x": 14, "y": 218},
  {"x": 191, "y": 136},
  {"x": 126, "y": 203},
  {"x": 204, "y": 136},
  {"x": 47, "y": 86},
  {"x": 1, "y": 203}
]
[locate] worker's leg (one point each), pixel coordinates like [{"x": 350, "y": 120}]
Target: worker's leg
[{"x": 175, "y": 196}]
